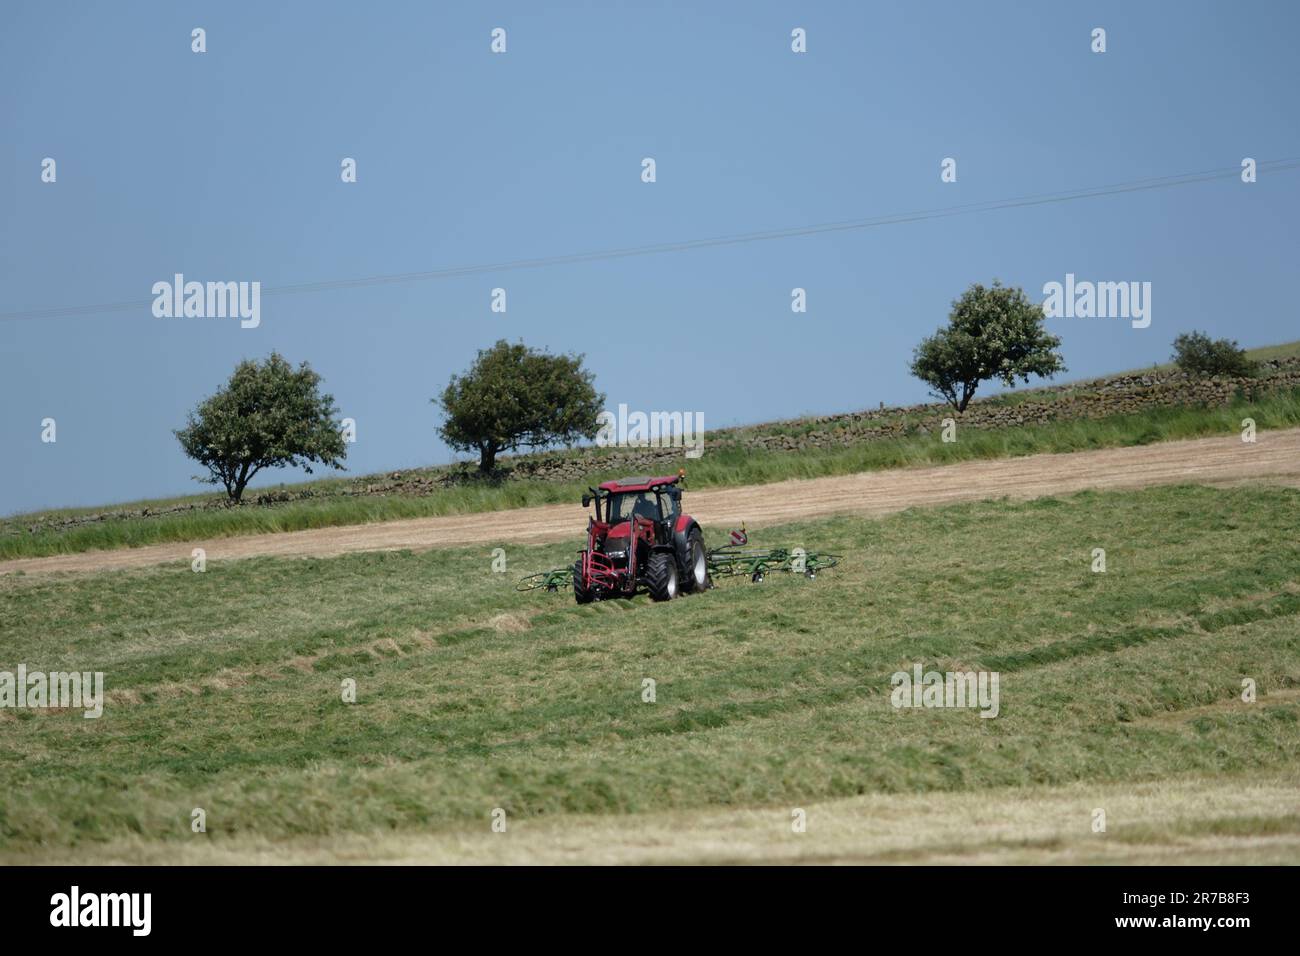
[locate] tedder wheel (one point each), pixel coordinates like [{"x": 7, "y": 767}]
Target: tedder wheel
[
  {"x": 697, "y": 570},
  {"x": 580, "y": 593},
  {"x": 757, "y": 577},
  {"x": 661, "y": 576}
]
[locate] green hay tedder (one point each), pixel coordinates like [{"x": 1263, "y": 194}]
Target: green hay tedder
[{"x": 639, "y": 540}]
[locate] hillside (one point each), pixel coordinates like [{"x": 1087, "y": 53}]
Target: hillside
[
  {"x": 1219, "y": 461},
  {"x": 1130, "y": 408}
]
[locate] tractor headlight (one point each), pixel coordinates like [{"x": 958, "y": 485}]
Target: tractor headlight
[{"x": 616, "y": 548}]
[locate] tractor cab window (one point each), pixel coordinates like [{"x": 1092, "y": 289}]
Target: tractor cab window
[
  {"x": 669, "y": 505},
  {"x": 623, "y": 505}
]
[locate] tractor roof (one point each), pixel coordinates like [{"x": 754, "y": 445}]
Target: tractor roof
[{"x": 639, "y": 484}]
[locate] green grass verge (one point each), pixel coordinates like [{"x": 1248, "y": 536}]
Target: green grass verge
[
  {"x": 718, "y": 467},
  {"x": 225, "y": 686}
]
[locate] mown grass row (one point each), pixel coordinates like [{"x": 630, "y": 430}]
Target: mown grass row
[
  {"x": 718, "y": 467},
  {"x": 225, "y": 686}
]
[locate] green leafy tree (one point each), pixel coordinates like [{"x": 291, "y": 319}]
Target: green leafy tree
[
  {"x": 993, "y": 332},
  {"x": 515, "y": 397},
  {"x": 1197, "y": 354},
  {"x": 269, "y": 415}
]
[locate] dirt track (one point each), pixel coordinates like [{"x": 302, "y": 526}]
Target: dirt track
[{"x": 1275, "y": 457}]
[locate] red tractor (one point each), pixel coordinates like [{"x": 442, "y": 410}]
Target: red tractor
[{"x": 639, "y": 539}]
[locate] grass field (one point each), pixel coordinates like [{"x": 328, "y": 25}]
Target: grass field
[
  {"x": 718, "y": 467},
  {"x": 1118, "y": 690}
]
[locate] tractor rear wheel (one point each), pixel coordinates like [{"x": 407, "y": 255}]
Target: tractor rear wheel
[
  {"x": 661, "y": 576},
  {"x": 580, "y": 593},
  {"x": 697, "y": 563}
]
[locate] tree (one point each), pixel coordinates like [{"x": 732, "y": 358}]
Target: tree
[
  {"x": 1197, "y": 354},
  {"x": 269, "y": 415},
  {"x": 992, "y": 332},
  {"x": 516, "y": 397}
]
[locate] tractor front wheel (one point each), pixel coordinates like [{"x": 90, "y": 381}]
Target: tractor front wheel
[
  {"x": 581, "y": 593},
  {"x": 661, "y": 576}
]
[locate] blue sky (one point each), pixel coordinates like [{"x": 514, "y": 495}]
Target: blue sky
[{"x": 225, "y": 166}]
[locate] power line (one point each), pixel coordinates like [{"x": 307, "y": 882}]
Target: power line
[{"x": 1090, "y": 192}]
